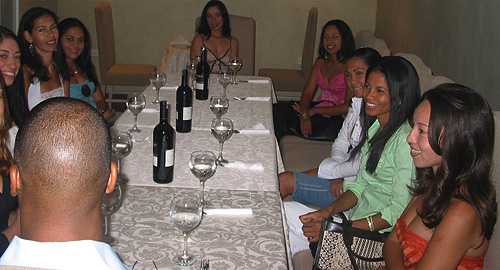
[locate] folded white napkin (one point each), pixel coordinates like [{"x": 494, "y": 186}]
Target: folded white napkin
[
  {"x": 147, "y": 110},
  {"x": 257, "y": 166},
  {"x": 258, "y": 81},
  {"x": 229, "y": 211},
  {"x": 180, "y": 41},
  {"x": 258, "y": 98},
  {"x": 169, "y": 88},
  {"x": 257, "y": 129}
]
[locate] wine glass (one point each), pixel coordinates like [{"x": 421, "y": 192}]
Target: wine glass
[
  {"x": 191, "y": 67},
  {"x": 235, "y": 65},
  {"x": 219, "y": 105},
  {"x": 224, "y": 79},
  {"x": 158, "y": 79},
  {"x": 111, "y": 202},
  {"x": 203, "y": 166},
  {"x": 222, "y": 129},
  {"x": 185, "y": 213},
  {"x": 121, "y": 146},
  {"x": 136, "y": 103}
]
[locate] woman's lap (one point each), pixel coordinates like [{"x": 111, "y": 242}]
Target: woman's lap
[{"x": 312, "y": 190}]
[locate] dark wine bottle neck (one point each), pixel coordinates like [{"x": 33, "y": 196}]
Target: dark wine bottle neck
[
  {"x": 163, "y": 111},
  {"x": 203, "y": 55},
  {"x": 184, "y": 77}
]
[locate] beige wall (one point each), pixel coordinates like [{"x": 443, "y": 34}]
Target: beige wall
[
  {"x": 456, "y": 38},
  {"x": 143, "y": 28}
]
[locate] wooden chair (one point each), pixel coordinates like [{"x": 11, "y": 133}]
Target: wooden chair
[
  {"x": 113, "y": 73},
  {"x": 289, "y": 83},
  {"x": 243, "y": 29}
]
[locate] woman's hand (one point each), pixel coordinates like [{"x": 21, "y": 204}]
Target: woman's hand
[
  {"x": 312, "y": 223},
  {"x": 296, "y": 107},
  {"x": 306, "y": 126},
  {"x": 108, "y": 113},
  {"x": 336, "y": 186}
]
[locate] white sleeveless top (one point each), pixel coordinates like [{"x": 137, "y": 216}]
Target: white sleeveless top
[{"x": 35, "y": 96}]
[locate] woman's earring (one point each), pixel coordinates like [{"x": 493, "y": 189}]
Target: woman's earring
[{"x": 32, "y": 50}]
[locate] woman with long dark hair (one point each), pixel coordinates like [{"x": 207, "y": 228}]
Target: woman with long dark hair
[
  {"x": 9, "y": 220},
  {"x": 10, "y": 65},
  {"x": 214, "y": 33},
  {"x": 38, "y": 37},
  {"x": 449, "y": 222},
  {"x": 380, "y": 192},
  {"x": 74, "y": 59}
]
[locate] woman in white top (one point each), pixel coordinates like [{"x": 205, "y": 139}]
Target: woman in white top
[
  {"x": 38, "y": 35},
  {"x": 339, "y": 166}
]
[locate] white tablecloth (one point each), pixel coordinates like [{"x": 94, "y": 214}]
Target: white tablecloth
[{"x": 146, "y": 232}]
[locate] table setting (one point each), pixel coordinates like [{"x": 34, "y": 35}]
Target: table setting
[{"x": 228, "y": 163}]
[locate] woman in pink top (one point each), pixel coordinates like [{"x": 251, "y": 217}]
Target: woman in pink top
[{"x": 337, "y": 44}]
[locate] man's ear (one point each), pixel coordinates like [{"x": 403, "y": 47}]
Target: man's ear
[
  {"x": 15, "y": 181},
  {"x": 112, "y": 178}
]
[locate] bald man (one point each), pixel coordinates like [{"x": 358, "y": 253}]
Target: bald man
[{"x": 63, "y": 168}]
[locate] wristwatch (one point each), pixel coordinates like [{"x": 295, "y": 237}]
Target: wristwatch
[{"x": 304, "y": 115}]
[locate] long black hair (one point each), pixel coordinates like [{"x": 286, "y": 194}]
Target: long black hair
[
  {"x": 15, "y": 92},
  {"x": 204, "y": 28},
  {"x": 83, "y": 61},
  {"x": 404, "y": 91},
  {"x": 462, "y": 132},
  {"x": 31, "y": 58},
  {"x": 347, "y": 45}
]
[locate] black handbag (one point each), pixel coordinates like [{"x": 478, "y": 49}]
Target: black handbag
[
  {"x": 342, "y": 246},
  {"x": 322, "y": 128}
]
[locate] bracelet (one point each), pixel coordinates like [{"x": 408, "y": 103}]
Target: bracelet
[
  {"x": 304, "y": 115},
  {"x": 370, "y": 223}
]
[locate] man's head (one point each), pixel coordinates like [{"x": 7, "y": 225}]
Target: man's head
[{"x": 63, "y": 159}]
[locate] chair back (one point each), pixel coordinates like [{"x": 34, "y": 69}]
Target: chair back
[
  {"x": 105, "y": 38},
  {"x": 309, "y": 42},
  {"x": 243, "y": 29},
  {"x": 366, "y": 38}
]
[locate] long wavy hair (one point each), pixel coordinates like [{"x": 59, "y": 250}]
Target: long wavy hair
[
  {"x": 83, "y": 61},
  {"x": 204, "y": 28},
  {"x": 404, "y": 91},
  {"x": 6, "y": 160},
  {"x": 33, "y": 60},
  {"x": 347, "y": 45},
  {"x": 462, "y": 132},
  {"x": 15, "y": 92}
]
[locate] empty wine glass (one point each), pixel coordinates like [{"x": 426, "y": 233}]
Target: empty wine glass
[
  {"x": 219, "y": 105},
  {"x": 185, "y": 212},
  {"x": 203, "y": 166},
  {"x": 121, "y": 146},
  {"x": 111, "y": 202},
  {"x": 158, "y": 79},
  {"x": 224, "y": 79},
  {"x": 191, "y": 67},
  {"x": 235, "y": 65},
  {"x": 222, "y": 129},
  {"x": 136, "y": 103}
]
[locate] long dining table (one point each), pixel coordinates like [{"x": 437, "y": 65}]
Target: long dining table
[{"x": 238, "y": 240}]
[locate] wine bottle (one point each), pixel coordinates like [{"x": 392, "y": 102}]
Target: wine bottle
[
  {"x": 163, "y": 148},
  {"x": 184, "y": 106},
  {"x": 202, "y": 76}
]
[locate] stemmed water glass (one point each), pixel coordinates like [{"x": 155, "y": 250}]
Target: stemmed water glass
[
  {"x": 235, "y": 65},
  {"x": 121, "y": 146},
  {"x": 222, "y": 129},
  {"x": 136, "y": 104},
  {"x": 219, "y": 105},
  {"x": 158, "y": 79},
  {"x": 191, "y": 67},
  {"x": 224, "y": 79},
  {"x": 185, "y": 212},
  {"x": 111, "y": 202},
  {"x": 203, "y": 166}
]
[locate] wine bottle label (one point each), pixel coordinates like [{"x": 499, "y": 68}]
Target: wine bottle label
[
  {"x": 169, "y": 158},
  {"x": 187, "y": 113},
  {"x": 155, "y": 160},
  {"x": 199, "y": 85}
]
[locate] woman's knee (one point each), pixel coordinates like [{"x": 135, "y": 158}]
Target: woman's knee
[{"x": 287, "y": 183}]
